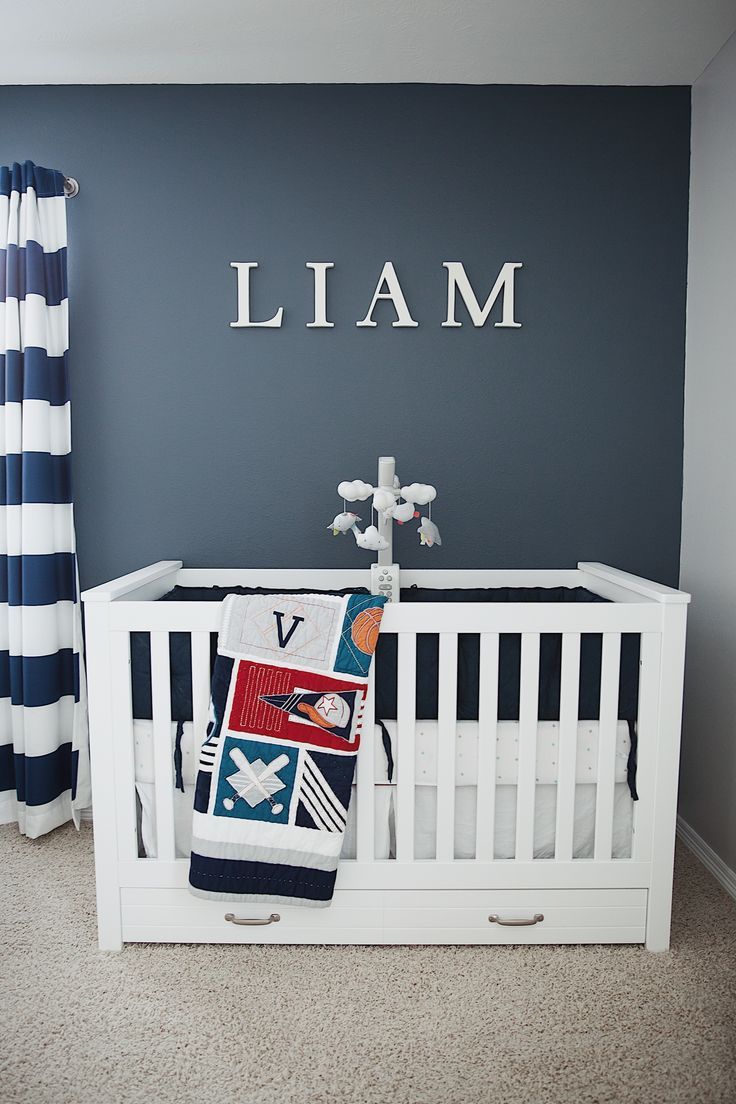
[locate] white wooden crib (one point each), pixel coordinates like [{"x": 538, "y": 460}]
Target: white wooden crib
[{"x": 403, "y": 899}]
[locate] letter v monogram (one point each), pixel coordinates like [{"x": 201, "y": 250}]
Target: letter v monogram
[{"x": 284, "y": 640}]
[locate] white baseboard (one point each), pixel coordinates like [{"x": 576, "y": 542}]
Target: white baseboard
[{"x": 710, "y": 860}]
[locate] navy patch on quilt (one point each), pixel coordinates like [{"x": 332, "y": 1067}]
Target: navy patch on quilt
[
  {"x": 324, "y": 791},
  {"x": 276, "y": 769}
]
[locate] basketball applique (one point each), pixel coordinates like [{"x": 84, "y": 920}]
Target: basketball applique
[
  {"x": 359, "y": 634},
  {"x": 365, "y": 630}
]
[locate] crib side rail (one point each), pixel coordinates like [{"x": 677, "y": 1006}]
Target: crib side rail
[
  {"x": 147, "y": 584},
  {"x": 455, "y": 617},
  {"x": 653, "y": 734},
  {"x": 618, "y": 585}
]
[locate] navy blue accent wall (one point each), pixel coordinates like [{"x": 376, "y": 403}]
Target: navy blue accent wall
[{"x": 559, "y": 441}]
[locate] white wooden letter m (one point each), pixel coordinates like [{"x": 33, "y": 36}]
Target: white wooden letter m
[{"x": 457, "y": 280}]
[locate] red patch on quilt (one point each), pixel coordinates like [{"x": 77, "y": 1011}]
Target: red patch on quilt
[{"x": 249, "y": 713}]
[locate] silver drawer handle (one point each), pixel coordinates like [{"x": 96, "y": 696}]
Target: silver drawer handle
[
  {"x": 272, "y": 919},
  {"x": 536, "y": 919}
]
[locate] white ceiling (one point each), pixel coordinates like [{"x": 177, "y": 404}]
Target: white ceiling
[{"x": 371, "y": 41}]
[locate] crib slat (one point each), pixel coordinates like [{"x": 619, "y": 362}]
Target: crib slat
[
  {"x": 528, "y": 715},
  {"x": 485, "y": 813},
  {"x": 404, "y": 753},
  {"x": 568, "y": 745},
  {"x": 646, "y": 752},
  {"x": 123, "y": 746},
  {"x": 200, "y": 686},
  {"x": 365, "y": 847},
  {"x": 163, "y": 762},
  {"x": 446, "y": 737},
  {"x": 610, "y": 665}
]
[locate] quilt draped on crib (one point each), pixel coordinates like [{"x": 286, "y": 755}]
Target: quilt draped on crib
[{"x": 276, "y": 769}]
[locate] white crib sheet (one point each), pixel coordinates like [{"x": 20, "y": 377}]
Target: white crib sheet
[
  {"x": 507, "y": 752},
  {"x": 425, "y": 802}
]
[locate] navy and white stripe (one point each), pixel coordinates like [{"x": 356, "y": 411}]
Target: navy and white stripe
[
  {"x": 208, "y": 754},
  {"x": 44, "y": 760},
  {"x": 319, "y": 800}
]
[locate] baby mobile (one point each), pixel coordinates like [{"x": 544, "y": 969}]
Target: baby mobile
[{"x": 391, "y": 502}]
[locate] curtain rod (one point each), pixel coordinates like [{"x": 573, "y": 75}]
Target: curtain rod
[{"x": 71, "y": 187}]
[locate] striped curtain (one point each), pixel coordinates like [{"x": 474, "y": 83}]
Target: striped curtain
[{"x": 44, "y": 759}]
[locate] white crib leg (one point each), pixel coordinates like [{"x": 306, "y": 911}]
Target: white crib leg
[
  {"x": 109, "y": 921},
  {"x": 665, "y": 793}
]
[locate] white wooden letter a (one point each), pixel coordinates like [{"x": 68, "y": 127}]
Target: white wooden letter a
[{"x": 394, "y": 293}]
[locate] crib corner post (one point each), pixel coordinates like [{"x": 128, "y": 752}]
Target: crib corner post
[
  {"x": 659, "y": 907},
  {"x": 104, "y": 813}
]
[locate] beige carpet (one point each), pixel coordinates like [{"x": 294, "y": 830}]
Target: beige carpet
[{"x": 370, "y": 1025}]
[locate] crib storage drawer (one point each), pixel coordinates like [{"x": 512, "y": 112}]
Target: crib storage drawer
[
  {"x": 176, "y": 915},
  {"x": 519, "y": 916},
  {"x": 403, "y": 916}
]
